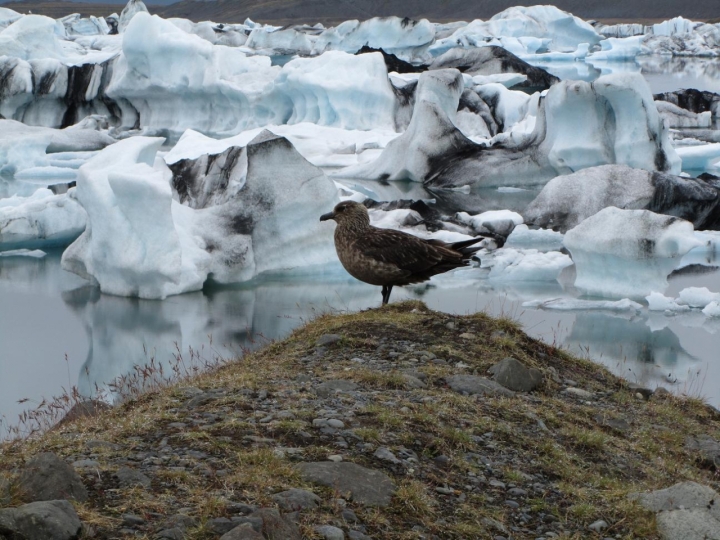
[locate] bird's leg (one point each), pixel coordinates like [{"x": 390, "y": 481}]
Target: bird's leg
[{"x": 387, "y": 289}]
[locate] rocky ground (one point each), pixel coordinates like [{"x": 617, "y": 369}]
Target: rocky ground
[{"x": 393, "y": 423}]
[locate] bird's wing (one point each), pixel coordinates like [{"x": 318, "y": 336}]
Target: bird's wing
[{"x": 409, "y": 253}]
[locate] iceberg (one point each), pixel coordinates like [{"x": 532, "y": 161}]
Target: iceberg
[
  {"x": 41, "y": 221},
  {"x": 698, "y": 297},
  {"x": 628, "y": 253},
  {"x": 154, "y": 232},
  {"x": 659, "y": 302},
  {"x": 565, "y": 201},
  {"x": 508, "y": 264},
  {"x": 392, "y": 34},
  {"x": 491, "y": 61},
  {"x": 675, "y": 117},
  {"x": 430, "y": 141}
]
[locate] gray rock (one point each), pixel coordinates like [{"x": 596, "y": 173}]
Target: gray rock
[
  {"x": 328, "y": 339},
  {"x": 172, "y": 534},
  {"x": 220, "y": 525},
  {"x": 365, "y": 486},
  {"x": 472, "y": 384},
  {"x": 411, "y": 381},
  {"x": 128, "y": 478},
  {"x": 385, "y": 454},
  {"x": 46, "y": 477},
  {"x": 330, "y": 388},
  {"x": 617, "y": 424},
  {"x": 598, "y": 525},
  {"x": 45, "y": 520},
  {"x": 357, "y": 535},
  {"x": 179, "y": 521},
  {"x": 242, "y": 532},
  {"x": 707, "y": 448},
  {"x": 276, "y": 526},
  {"x": 687, "y": 511},
  {"x": 579, "y": 393},
  {"x": 685, "y": 495},
  {"x": 695, "y": 524},
  {"x": 515, "y": 375},
  {"x": 295, "y": 500},
  {"x": 131, "y": 520},
  {"x": 328, "y": 532}
]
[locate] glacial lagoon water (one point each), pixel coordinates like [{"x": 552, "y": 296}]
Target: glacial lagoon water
[{"x": 57, "y": 332}]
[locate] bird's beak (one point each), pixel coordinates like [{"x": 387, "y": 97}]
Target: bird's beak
[{"x": 329, "y": 215}]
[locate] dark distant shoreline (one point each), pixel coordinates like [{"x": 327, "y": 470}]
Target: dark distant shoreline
[{"x": 328, "y": 12}]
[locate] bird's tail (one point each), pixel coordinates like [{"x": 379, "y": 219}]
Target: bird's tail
[{"x": 467, "y": 248}]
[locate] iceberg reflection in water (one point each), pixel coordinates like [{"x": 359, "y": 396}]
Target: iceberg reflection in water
[{"x": 46, "y": 314}]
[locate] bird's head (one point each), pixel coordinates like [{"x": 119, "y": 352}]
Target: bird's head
[{"x": 348, "y": 213}]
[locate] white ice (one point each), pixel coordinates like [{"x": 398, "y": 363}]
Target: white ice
[
  {"x": 41, "y": 220},
  {"x": 659, "y": 302},
  {"x": 575, "y": 304},
  {"x": 508, "y": 264},
  {"x": 628, "y": 253},
  {"x": 698, "y": 297}
]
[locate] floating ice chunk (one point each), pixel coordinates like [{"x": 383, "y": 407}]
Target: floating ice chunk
[
  {"x": 618, "y": 49},
  {"x": 510, "y": 106},
  {"x": 675, "y": 117},
  {"x": 132, "y": 8},
  {"x": 675, "y": 26},
  {"x": 392, "y": 34},
  {"x": 712, "y": 309},
  {"x": 628, "y": 252},
  {"x": 525, "y": 265},
  {"x": 575, "y": 116},
  {"x": 34, "y": 254},
  {"x": 282, "y": 41},
  {"x": 700, "y": 158},
  {"x": 33, "y": 37},
  {"x": 567, "y": 200},
  {"x": 497, "y": 221},
  {"x": 24, "y": 147},
  {"x": 494, "y": 64},
  {"x": 338, "y": 89},
  {"x": 7, "y": 17},
  {"x": 322, "y": 146},
  {"x": 42, "y": 220},
  {"x": 428, "y": 139},
  {"x": 564, "y": 29},
  {"x": 524, "y": 237},
  {"x": 574, "y": 304},
  {"x": 659, "y": 302},
  {"x": 131, "y": 246},
  {"x": 698, "y": 297},
  {"x": 524, "y": 30}
]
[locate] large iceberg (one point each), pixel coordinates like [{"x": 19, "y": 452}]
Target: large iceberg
[
  {"x": 628, "y": 253},
  {"x": 575, "y": 126},
  {"x": 567, "y": 200},
  {"x": 247, "y": 211}
]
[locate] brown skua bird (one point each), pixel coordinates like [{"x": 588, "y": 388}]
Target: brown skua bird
[{"x": 387, "y": 257}]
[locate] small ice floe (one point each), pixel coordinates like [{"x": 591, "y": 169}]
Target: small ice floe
[
  {"x": 712, "y": 309},
  {"x": 698, "y": 297},
  {"x": 574, "y": 304},
  {"x": 34, "y": 253},
  {"x": 659, "y": 302}
]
